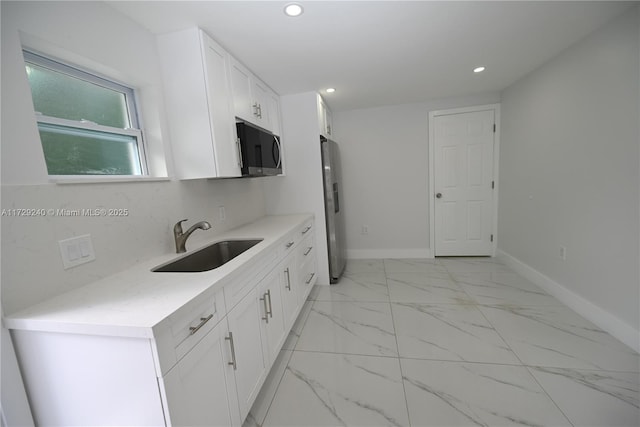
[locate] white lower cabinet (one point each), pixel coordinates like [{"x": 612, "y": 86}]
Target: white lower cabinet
[
  {"x": 203, "y": 366},
  {"x": 306, "y": 261},
  {"x": 200, "y": 390},
  {"x": 272, "y": 319},
  {"x": 249, "y": 363},
  {"x": 289, "y": 290}
]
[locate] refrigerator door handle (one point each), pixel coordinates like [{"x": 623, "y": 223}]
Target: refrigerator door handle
[{"x": 336, "y": 200}]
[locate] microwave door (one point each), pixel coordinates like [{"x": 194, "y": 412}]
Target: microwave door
[
  {"x": 276, "y": 153},
  {"x": 270, "y": 154}
]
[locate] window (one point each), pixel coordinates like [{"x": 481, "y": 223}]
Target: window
[{"x": 88, "y": 125}]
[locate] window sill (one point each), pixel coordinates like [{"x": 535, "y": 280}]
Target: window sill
[{"x": 104, "y": 179}]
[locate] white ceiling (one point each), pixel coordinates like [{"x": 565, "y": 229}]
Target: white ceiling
[{"x": 384, "y": 52}]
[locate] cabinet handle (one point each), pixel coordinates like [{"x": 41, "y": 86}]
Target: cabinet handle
[
  {"x": 308, "y": 250},
  {"x": 259, "y": 111},
  {"x": 266, "y": 308},
  {"x": 310, "y": 278},
  {"x": 270, "y": 306},
  {"x": 288, "y": 245},
  {"x": 288, "y": 285},
  {"x": 203, "y": 320},
  {"x": 255, "y": 109},
  {"x": 306, "y": 229},
  {"x": 233, "y": 351}
]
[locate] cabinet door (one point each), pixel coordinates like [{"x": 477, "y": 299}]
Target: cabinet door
[
  {"x": 328, "y": 121},
  {"x": 272, "y": 319},
  {"x": 241, "y": 88},
  {"x": 200, "y": 389},
  {"x": 289, "y": 290},
  {"x": 273, "y": 110},
  {"x": 324, "y": 116},
  {"x": 259, "y": 93},
  {"x": 251, "y": 367},
  {"x": 218, "y": 86}
]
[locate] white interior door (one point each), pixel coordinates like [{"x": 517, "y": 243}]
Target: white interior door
[{"x": 463, "y": 183}]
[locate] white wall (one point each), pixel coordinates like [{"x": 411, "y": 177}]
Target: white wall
[
  {"x": 385, "y": 176},
  {"x": 301, "y": 190},
  {"x": 569, "y": 175},
  {"x": 31, "y": 265}
]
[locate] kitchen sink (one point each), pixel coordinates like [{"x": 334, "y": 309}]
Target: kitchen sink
[{"x": 207, "y": 258}]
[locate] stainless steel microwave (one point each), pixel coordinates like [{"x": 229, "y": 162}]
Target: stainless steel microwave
[{"x": 261, "y": 152}]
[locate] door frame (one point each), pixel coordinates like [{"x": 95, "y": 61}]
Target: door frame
[{"x": 496, "y": 157}]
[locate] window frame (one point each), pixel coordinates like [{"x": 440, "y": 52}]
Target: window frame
[{"x": 134, "y": 129}]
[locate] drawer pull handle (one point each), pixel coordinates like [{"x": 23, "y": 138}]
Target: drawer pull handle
[
  {"x": 308, "y": 250},
  {"x": 310, "y": 278},
  {"x": 233, "y": 351},
  {"x": 270, "y": 306},
  {"x": 203, "y": 320},
  {"x": 267, "y": 305},
  {"x": 289, "y": 245},
  {"x": 306, "y": 229},
  {"x": 288, "y": 285}
]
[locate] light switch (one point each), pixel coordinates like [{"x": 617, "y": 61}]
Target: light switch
[
  {"x": 76, "y": 251},
  {"x": 85, "y": 248},
  {"x": 73, "y": 252}
]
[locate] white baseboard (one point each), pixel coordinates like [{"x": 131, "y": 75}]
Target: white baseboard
[
  {"x": 388, "y": 253},
  {"x": 597, "y": 315}
]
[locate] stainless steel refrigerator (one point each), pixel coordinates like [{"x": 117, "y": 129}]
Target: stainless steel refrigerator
[{"x": 333, "y": 208}]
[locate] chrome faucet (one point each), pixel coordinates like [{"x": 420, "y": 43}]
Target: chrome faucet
[{"x": 181, "y": 238}]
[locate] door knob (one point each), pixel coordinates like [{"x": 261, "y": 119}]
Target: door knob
[{"x": 438, "y": 195}]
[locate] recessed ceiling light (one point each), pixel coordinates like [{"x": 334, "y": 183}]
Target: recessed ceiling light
[
  {"x": 330, "y": 90},
  {"x": 293, "y": 9},
  {"x": 478, "y": 69}
]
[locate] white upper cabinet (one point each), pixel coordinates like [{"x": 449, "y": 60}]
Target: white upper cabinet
[
  {"x": 199, "y": 105},
  {"x": 324, "y": 118},
  {"x": 253, "y": 100},
  {"x": 273, "y": 111},
  {"x": 244, "y": 106}
]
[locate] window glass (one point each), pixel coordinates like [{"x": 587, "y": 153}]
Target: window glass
[
  {"x": 70, "y": 151},
  {"x": 59, "y": 95},
  {"x": 87, "y": 124}
]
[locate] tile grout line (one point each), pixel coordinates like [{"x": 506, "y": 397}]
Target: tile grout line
[
  {"x": 395, "y": 334},
  {"x": 522, "y": 364}
]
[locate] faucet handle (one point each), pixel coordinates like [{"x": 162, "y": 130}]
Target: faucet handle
[{"x": 178, "y": 227}]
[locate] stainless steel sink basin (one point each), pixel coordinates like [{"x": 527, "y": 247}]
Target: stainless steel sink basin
[{"x": 208, "y": 258}]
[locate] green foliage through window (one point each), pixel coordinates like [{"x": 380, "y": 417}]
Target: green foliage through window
[{"x": 88, "y": 125}]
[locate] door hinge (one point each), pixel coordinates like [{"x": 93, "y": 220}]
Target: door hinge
[
  {"x": 493, "y": 185},
  {"x": 494, "y": 128},
  {"x": 492, "y": 237}
]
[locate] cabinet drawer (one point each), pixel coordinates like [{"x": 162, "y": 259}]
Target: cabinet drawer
[
  {"x": 307, "y": 277},
  {"x": 289, "y": 244},
  {"x": 308, "y": 272},
  {"x": 306, "y": 229},
  {"x": 189, "y": 329},
  {"x": 243, "y": 284},
  {"x": 306, "y": 250}
]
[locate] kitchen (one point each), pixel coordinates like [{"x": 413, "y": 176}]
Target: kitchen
[{"x": 157, "y": 202}]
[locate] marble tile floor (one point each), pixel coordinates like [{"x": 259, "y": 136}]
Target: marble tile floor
[{"x": 446, "y": 342}]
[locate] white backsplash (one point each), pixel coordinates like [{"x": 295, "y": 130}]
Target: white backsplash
[{"x": 32, "y": 269}]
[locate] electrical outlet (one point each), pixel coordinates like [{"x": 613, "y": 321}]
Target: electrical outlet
[
  {"x": 222, "y": 215},
  {"x": 563, "y": 253},
  {"x": 365, "y": 230}
]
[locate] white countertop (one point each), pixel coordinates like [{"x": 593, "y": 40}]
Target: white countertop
[{"x": 131, "y": 303}]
